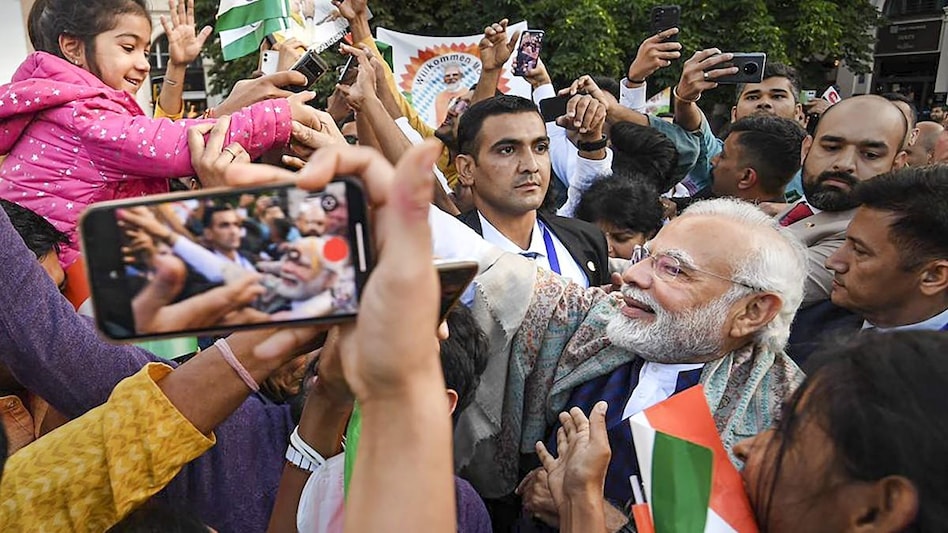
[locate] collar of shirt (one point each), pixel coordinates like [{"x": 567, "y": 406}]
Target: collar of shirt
[
  {"x": 807, "y": 202},
  {"x": 934, "y": 323},
  {"x": 495, "y": 237},
  {"x": 657, "y": 382},
  {"x": 241, "y": 260}
]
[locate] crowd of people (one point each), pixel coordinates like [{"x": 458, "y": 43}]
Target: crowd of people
[{"x": 796, "y": 268}]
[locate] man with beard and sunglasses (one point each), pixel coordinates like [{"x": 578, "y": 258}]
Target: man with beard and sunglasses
[
  {"x": 856, "y": 139},
  {"x": 710, "y": 300}
]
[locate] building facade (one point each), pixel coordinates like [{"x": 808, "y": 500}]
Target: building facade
[{"x": 911, "y": 54}]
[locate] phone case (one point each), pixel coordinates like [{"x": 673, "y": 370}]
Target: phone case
[{"x": 528, "y": 52}]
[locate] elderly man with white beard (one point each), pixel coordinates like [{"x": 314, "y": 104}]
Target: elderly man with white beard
[{"x": 710, "y": 301}]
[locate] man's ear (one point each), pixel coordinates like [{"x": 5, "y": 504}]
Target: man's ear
[
  {"x": 900, "y": 159},
  {"x": 805, "y": 148},
  {"x": 748, "y": 179},
  {"x": 73, "y": 49},
  {"x": 934, "y": 278},
  {"x": 756, "y": 312},
  {"x": 734, "y": 113},
  {"x": 465, "y": 165},
  {"x": 452, "y": 400},
  {"x": 889, "y": 504},
  {"x": 799, "y": 114}
]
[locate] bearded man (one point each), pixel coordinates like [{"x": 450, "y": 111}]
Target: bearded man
[{"x": 709, "y": 301}]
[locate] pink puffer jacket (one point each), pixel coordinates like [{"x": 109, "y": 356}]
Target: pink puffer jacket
[{"x": 70, "y": 141}]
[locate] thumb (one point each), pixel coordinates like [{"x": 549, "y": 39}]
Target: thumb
[{"x": 597, "y": 423}]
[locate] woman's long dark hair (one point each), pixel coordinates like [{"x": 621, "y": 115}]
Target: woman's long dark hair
[{"x": 883, "y": 402}]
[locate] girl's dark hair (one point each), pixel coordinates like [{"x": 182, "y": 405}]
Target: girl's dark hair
[
  {"x": 880, "y": 400},
  {"x": 83, "y": 19}
]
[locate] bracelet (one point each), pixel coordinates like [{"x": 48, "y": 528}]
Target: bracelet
[
  {"x": 304, "y": 448},
  {"x": 675, "y": 93},
  {"x": 637, "y": 82},
  {"x": 170, "y": 82},
  {"x": 231, "y": 359},
  {"x": 297, "y": 459}
]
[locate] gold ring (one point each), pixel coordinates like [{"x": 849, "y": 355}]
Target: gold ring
[{"x": 232, "y": 153}]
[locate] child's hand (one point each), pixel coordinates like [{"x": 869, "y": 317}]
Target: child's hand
[{"x": 184, "y": 44}]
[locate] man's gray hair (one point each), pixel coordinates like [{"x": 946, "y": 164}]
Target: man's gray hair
[{"x": 777, "y": 262}]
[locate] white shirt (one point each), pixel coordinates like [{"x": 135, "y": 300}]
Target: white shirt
[
  {"x": 568, "y": 266},
  {"x": 935, "y": 323},
  {"x": 657, "y": 382}
]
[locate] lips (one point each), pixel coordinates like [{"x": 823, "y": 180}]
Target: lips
[
  {"x": 134, "y": 82},
  {"x": 635, "y": 309}
]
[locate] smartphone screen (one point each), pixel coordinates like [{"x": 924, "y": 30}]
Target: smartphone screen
[
  {"x": 528, "y": 54},
  {"x": 664, "y": 18},
  {"x": 247, "y": 257},
  {"x": 454, "y": 276}
]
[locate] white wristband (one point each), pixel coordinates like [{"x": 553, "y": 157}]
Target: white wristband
[{"x": 308, "y": 452}]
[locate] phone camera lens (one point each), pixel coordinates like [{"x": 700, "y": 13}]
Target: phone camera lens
[
  {"x": 329, "y": 203},
  {"x": 751, "y": 68}
]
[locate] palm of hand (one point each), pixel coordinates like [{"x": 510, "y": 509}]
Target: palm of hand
[{"x": 184, "y": 45}]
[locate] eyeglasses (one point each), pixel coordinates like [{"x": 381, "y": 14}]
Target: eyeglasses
[{"x": 668, "y": 267}]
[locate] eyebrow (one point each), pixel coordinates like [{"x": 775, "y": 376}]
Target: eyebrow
[
  {"x": 868, "y": 143},
  {"x": 682, "y": 256},
  {"x": 509, "y": 140}
]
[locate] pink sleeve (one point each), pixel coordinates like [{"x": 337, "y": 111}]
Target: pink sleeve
[{"x": 140, "y": 146}]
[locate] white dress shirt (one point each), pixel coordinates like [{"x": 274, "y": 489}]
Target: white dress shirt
[
  {"x": 568, "y": 266},
  {"x": 935, "y": 323},
  {"x": 657, "y": 382}
]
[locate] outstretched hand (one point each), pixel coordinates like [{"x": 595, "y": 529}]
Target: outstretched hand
[
  {"x": 494, "y": 47},
  {"x": 184, "y": 43},
  {"x": 584, "y": 453},
  {"x": 654, "y": 53}
]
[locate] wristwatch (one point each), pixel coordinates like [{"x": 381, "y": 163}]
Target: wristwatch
[{"x": 593, "y": 146}]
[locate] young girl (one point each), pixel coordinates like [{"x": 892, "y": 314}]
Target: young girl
[{"x": 72, "y": 131}]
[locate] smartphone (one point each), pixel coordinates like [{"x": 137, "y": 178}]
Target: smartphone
[
  {"x": 750, "y": 68},
  {"x": 139, "y": 261},
  {"x": 269, "y": 61},
  {"x": 345, "y": 69},
  {"x": 313, "y": 67},
  {"x": 455, "y": 276},
  {"x": 528, "y": 53},
  {"x": 553, "y": 108},
  {"x": 663, "y": 18}
]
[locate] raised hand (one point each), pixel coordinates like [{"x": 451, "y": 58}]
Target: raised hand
[
  {"x": 654, "y": 53},
  {"x": 184, "y": 43},
  {"x": 494, "y": 47}
]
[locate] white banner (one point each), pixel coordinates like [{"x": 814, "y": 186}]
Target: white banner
[{"x": 431, "y": 71}]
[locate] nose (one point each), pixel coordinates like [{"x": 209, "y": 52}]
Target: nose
[
  {"x": 743, "y": 448},
  {"x": 639, "y": 274},
  {"x": 846, "y": 160},
  {"x": 764, "y": 103},
  {"x": 529, "y": 163},
  {"x": 143, "y": 65},
  {"x": 836, "y": 262}
]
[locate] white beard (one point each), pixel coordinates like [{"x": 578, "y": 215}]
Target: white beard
[{"x": 690, "y": 336}]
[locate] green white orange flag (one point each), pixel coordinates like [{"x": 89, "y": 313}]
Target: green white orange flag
[
  {"x": 690, "y": 484},
  {"x": 244, "y": 23}
]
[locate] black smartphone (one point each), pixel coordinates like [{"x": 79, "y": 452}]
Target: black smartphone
[
  {"x": 528, "y": 53},
  {"x": 750, "y": 68},
  {"x": 663, "y": 18},
  {"x": 553, "y": 108},
  {"x": 313, "y": 67},
  {"x": 454, "y": 276},
  {"x": 150, "y": 278}
]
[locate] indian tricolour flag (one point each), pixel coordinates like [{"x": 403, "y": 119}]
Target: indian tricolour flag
[
  {"x": 244, "y": 23},
  {"x": 690, "y": 484}
]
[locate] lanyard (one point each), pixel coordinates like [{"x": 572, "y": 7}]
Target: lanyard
[{"x": 550, "y": 250}]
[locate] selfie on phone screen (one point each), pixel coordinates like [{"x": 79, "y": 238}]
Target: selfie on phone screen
[{"x": 294, "y": 259}]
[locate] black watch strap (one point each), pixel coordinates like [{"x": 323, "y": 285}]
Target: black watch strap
[{"x": 593, "y": 146}]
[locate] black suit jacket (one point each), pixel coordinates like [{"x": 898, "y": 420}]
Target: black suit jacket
[{"x": 584, "y": 241}]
